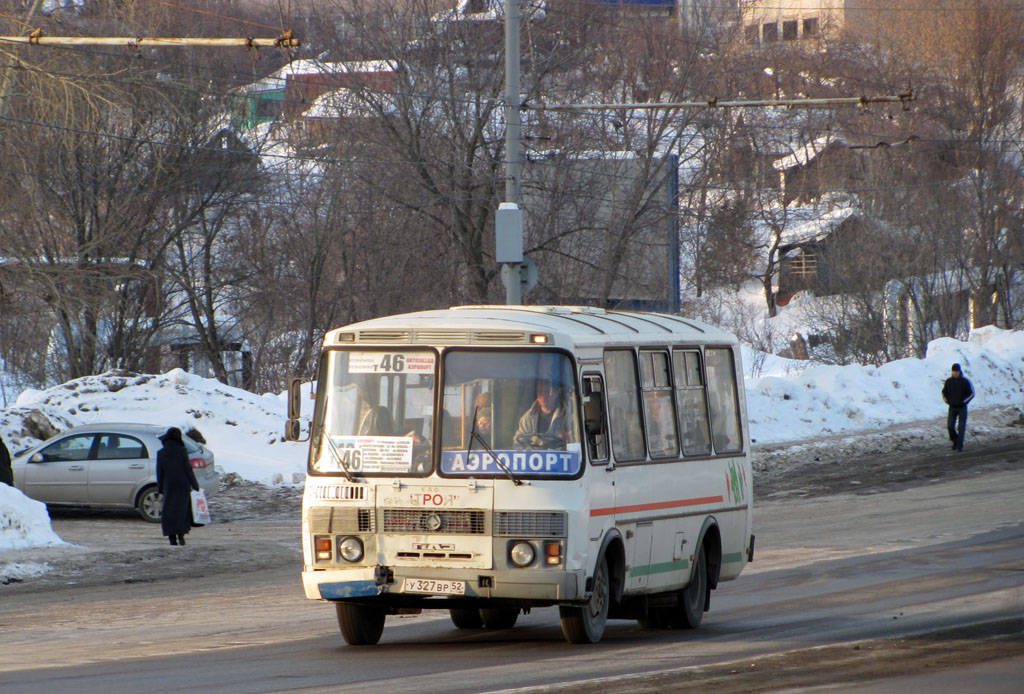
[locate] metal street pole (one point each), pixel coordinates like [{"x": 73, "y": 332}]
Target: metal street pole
[{"x": 509, "y": 224}]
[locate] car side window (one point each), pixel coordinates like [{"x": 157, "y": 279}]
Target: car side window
[
  {"x": 70, "y": 449},
  {"x": 117, "y": 446}
]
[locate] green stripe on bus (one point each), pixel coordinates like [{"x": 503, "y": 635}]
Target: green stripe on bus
[
  {"x": 663, "y": 567},
  {"x": 679, "y": 565}
]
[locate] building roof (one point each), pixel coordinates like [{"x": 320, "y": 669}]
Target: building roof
[{"x": 803, "y": 155}]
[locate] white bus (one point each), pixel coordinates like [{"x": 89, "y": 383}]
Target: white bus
[{"x": 492, "y": 459}]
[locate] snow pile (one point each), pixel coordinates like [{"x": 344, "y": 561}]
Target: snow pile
[
  {"x": 244, "y": 431},
  {"x": 792, "y": 401},
  {"x": 23, "y": 523}
]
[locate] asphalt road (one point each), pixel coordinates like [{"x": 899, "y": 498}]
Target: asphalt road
[{"x": 881, "y": 587}]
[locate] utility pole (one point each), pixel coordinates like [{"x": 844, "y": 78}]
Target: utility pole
[{"x": 508, "y": 220}]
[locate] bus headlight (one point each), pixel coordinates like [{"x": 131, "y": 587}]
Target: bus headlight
[
  {"x": 521, "y": 554},
  {"x": 350, "y": 549}
]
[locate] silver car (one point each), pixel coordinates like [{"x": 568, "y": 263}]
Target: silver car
[{"x": 105, "y": 466}]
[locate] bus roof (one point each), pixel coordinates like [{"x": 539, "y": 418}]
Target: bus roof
[{"x": 567, "y": 326}]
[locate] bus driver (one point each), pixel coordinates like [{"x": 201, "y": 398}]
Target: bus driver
[{"x": 548, "y": 421}]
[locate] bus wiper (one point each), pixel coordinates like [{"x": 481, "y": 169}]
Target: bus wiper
[
  {"x": 337, "y": 457},
  {"x": 474, "y": 435}
]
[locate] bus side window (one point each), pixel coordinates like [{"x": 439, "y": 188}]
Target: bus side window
[
  {"x": 693, "y": 402},
  {"x": 594, "y": 423},
  {"x": 659, "y": 411},
  {"x": 725, "y": 414},
  {"x": 624, "y": 405}
]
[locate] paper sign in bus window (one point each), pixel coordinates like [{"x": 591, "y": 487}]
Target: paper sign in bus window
[
  {"x": 390, "y": 362},
  {"x": 374, "y": 453}
]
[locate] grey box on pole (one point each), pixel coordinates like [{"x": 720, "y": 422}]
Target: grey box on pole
[{"x": 508, "y": 233}]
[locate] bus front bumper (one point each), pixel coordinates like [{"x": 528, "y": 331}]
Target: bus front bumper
[{"x": 547, "y": 586}]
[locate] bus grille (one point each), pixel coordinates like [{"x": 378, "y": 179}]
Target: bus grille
[
  {"x": 486, "y": 336},
  {"x": 398, "y": 520},
  {"x": 329, "y": 519},
  {"x": 530, "y": 523}
]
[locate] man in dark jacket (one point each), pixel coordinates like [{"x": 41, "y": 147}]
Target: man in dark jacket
[
  {"x": 6, "y": 473},
  {"x": 175, "y": 480},
  {"x": 957, "y": 392}
]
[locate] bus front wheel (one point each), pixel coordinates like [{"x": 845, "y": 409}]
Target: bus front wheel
[
  {"x": 361, "y": 625},
  {"x": 585, "y": 624}
]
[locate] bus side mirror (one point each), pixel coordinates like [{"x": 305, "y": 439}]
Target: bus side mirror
[
  {"x": 293, "y": 427},
  {"x": 293, "y": 430},
  {"x": 295, "y": 397}
]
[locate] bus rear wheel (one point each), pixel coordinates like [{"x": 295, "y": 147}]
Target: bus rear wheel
[
  {"x": 585, "y": 624},
  {"x": 361, "y": 625},
  {"x": 501, "y": 618},
  {"x": 695, "y": 595}
]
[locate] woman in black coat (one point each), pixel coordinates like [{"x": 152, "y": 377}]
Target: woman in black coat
[{"x": 175, "y": 480}]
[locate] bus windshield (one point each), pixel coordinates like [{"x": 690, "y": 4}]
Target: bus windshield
[
  {"x": 375, "y": 414},
  {"x": 511, "y": 412}
]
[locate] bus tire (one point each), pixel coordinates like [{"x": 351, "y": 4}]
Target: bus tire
[
  {"x": 465, "y": 618},
  {"x": 695, "y": 595},
  {"x": 361, "y": 625},
  {"x": 499, "y": 618},
  {"x": 585, "y": 624}
]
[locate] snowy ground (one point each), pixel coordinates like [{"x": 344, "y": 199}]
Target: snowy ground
[{"x": 797, "y": 412}]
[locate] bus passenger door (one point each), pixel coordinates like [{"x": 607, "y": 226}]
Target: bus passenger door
[{"x": 601, "y": 476}]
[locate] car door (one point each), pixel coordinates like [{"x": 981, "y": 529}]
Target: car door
[
  {"x": 120, "y": 466},
  {"x": 59, "y": 472}
]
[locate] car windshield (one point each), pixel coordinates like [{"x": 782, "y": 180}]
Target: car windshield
[
  {"x": 375, "y": 414},
  {"x": 509, "y": 412}
]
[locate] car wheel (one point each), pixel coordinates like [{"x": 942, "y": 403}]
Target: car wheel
[{"x": 150, "y": 504}]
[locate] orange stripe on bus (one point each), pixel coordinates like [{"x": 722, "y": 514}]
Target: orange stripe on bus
[{"x": 656, "y": 506}]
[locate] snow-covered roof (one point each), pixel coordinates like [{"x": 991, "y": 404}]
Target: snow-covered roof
[
  {"x": 279, "y": 78},
  {"x": 808, "y": 152},
  {"x": 816, "y": 229}
]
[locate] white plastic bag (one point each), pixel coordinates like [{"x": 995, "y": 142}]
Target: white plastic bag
[{"x": 200, "y": 510}]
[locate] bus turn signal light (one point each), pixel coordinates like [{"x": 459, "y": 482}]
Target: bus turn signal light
[
  {"x": 322, "y": 547},
  {"x": 552, "y": 553}
]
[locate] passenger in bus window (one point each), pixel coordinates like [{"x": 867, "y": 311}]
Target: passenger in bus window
[
  {"x": 547, "y": 423},
  {"x": 484, "y": 420},
  {"x": 376, "y": 421}
]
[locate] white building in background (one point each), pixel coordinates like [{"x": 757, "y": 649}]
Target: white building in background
[{"x": 771, "y": 21}]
